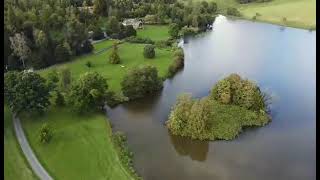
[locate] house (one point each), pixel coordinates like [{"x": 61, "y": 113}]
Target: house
[{"x": 136, "y": 23}]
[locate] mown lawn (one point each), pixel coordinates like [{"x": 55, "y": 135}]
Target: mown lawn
[
  {"x": 154, "y": 32},
  {"x": 16, "y": 166},
  {"x": 131, "y": 56},
  {"x": 81, "y": 147}
]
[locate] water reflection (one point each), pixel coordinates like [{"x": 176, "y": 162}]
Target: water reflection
[{"x": 195, "y": 149}]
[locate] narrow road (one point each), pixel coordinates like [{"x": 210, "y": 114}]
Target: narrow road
[{"x": 27, "y": 151}]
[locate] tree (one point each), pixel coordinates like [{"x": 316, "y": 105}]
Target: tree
[
  {"x": 199, "y": 118},
  {"x": 114, "y": 57},
  {"x": 60, "y": 99},
  {"x": 52, "y": 79},
  {"x": 45, "y": 133},
  {"x": 178, "y": 118},
  {"x": 113, "y": 25},
  {"x": 130, "y": 31},
  {"x": 235, "y": 90},
  {"x": 97, "y": 33},
  {"x": 148, "y": 51},
  {"x": 26, "y": 92},
  {"x": 88, "y": 93},
  {"x": 101, "y": 7},
  {"x": 20, "y": 47},
  {"x": 174, "y": 30},
  {"x": 61, "y": 53},
  {"x": 141, "y": 81},
  {"x": 191, "y": 117}
]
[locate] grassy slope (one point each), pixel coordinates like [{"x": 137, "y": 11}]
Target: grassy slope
[
  {"x": 131, "y": 55},
  {"x": 299, "y": 13},
  {"x": 154, "y": 32},
  {"x": 81, "y": 147},
  {"x": 15, "y": 164}
]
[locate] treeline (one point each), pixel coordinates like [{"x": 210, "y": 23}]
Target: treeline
[{"x": 38, "y": 33}]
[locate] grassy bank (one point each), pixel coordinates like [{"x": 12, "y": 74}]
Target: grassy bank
[
  {"x": 131, "y": 56},
  {"x": 81, "y": 147},
  {"x": 15, "y": 165},
  {"x": 154, "y": 32}
]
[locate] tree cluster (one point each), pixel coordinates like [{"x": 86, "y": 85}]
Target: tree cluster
[
  {"x": 178, "y": 62},
  {"x": 42, "y": 33},
  {"x": 26, "y": 92},
  {"x": 242, "y": 92},
  {"x": 141, "y": 81},
  {"x": 213, "y": 117}
]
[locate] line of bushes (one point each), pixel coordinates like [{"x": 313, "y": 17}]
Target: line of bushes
[
  {"x": 126, "y": 156},
  {"x": 139, "y": 40},
  {"x": 177, "y": 64}
]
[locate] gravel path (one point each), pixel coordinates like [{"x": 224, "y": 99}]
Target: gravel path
[{"x": 27, "y": 151}]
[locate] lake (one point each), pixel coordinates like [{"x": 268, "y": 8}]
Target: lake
[{"x": 281, "y": 60}]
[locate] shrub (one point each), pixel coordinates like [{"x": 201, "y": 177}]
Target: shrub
[
  {"x": 125, "y": 155},
  {"x": 97, "y": 33},
  {"x": 141, "y": 81},
  {"x": 86, "y": 47},
  {"x": 130, "y": 31},
  {"x": 177, "y": 64},
  {"x": 88, "y": 64},
  {"x": 174, "y": 30},
  {"x": 133, "y": 39},
  {"x": 188, "y": 31},
  {"x": 113, "y": 99},
  {"x": 45, "y": 134},
  {"x": 233, "y": 12},
  {"x": 148, "y": 51},
  {"x": 284, "y": 19},
  {"x": 65, "y": 78},
  {"x": 114, "y": 57},
  {"x": 60, "y": 99},
  {"x": 164, "y": 43}
]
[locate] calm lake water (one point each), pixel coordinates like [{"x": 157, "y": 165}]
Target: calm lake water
[{"x": 281, "y": 60}]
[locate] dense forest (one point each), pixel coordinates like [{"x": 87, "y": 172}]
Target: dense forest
[{"x": 40, "y": 33}]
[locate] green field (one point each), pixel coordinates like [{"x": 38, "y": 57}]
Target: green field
[
  {"x": 15, "y": 165},
  {"x": 154, "y": 32},
  {"x": 299, "y": 13},
  {"x": 81, "y": 147},
  {"x": 131, "y": 56}
]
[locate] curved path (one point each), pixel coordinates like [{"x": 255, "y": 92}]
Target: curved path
[{"x": 27, "y": 151}]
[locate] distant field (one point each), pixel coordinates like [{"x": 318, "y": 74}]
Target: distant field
[
  {"x": 15, "y": 165},
  {"x": 131, "y": 56},
  {"x": 81, "y": 147},
  {"x": 154, "y": 32},
  {"x": 299, "y": 13}
]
